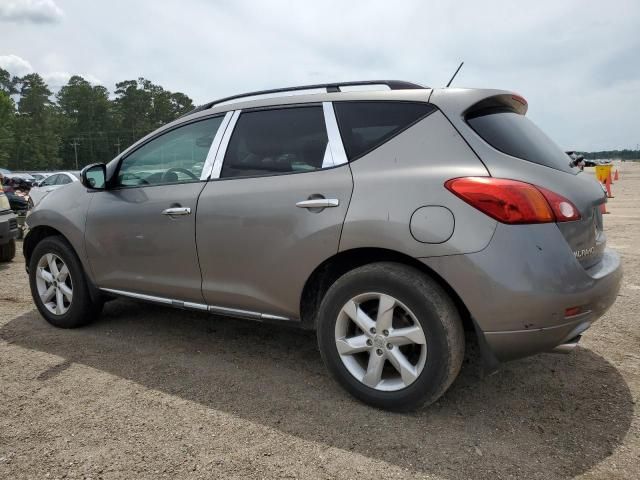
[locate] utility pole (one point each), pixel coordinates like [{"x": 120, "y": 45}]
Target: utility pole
[
  {"x": 75, "y": 145},
  {"x": 117, "y": 145}
]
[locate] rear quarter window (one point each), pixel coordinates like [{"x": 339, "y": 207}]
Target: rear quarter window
[
  {"x": 364, "y": 126},
  {"x": 516, "y": 135}
]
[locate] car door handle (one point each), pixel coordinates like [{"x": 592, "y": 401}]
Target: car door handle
[
  {"x": 319, "y": 203},
  {"x": 175, "y": 211}
]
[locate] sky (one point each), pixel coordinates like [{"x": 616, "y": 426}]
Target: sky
[{"x": 577, "y": 62}]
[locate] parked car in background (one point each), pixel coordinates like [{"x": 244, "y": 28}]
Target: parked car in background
[
  {"x": 577, "y": 160},
  {"x": 51, "y": 183},
  {"x": 8, "y": 229},
  {"x": 25, "y": 178},
  {"x": 19, "y": 203},
  {"x": 40, "y": 176},
  {"x": 388, "y": 219},
  {"x": 16, "y": 188}
]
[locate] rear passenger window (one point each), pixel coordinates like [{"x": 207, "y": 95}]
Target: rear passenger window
[
  {"x": 367, "y": 125},
  {"x": 271, "y": 142}
]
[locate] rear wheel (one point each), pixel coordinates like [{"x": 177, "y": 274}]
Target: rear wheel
[
  {"x": 390, "y": 336},
  {"x": 58, "y": 285},
  {"x": 8, "y": 251}
]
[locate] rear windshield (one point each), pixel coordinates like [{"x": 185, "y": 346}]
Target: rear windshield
[{"x": 516, "y": 135}]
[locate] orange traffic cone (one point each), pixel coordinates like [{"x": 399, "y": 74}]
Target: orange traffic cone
[
  {"x": 607, "y": 185},
  {"x": 603, "y": 208},
  {"x": 615, "y": 177}
]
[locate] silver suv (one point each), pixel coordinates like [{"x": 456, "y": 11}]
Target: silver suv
[{"x": 387, "y": 216}]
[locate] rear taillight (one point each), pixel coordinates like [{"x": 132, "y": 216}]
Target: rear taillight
[
  {"x": 512, "y": 201},
  {"x": 564, "y": 210}
]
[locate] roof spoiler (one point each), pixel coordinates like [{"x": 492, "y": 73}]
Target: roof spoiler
[
  {"x": 464, "y": 101},
  {"x": 509, "y": 101}
]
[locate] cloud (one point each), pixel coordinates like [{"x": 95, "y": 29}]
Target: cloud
[
  {"x": 30, "y": 11},
  {"x": 19, "y": 67},
  {"x": 55, "y": 80},
  {"x": 575, "y": 61},
  {"x": 15, "y": 65}
]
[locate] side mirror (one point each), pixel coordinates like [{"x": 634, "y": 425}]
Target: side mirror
[{"x": 94, "y": 176}]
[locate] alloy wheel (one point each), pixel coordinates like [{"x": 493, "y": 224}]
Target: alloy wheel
[
  {"x": 54, "y": 283},
  {"x": 380, "y": 341}
]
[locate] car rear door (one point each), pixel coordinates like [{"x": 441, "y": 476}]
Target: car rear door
[
  {"x": 273, "y": 210},
  {"x": 140, "y": 232}
]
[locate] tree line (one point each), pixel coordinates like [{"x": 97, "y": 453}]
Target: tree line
[
  {"x": 613, "y": 154},
  {"x": 43, "y": 131}
]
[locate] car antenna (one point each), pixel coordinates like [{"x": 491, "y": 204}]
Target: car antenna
[{"x": 454, "y": 75}]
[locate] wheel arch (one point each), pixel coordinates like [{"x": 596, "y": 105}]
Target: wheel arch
[
  {"x": 334, "y": 267},
  {"x": 35, "y": 236},
  {"x": 39, "y": 233}
]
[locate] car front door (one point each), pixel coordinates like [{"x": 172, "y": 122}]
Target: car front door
[
  {"x": 275, "y": 210},
  {"x": 140, "y": 232}
]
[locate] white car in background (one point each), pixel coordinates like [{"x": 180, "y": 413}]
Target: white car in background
[
  {"x": 52, "y": 182},
  {"x": 40, "y": 176}
]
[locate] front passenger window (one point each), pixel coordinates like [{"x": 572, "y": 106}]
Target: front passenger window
[{"x": 177, "y": 156}]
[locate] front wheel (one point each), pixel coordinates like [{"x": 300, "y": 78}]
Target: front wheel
[
  {"x": 391, "y": 336},
  {"x": 58, "y": 285}
]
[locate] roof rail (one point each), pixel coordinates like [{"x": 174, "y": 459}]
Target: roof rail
[{"x": 329, "y": 88}]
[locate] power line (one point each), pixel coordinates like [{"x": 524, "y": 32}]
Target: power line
[{"x": 75, "y": 146}]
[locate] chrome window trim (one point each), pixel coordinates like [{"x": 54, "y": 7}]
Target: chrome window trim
[
  {"x": 224, "y": 143},
  {"x": 334, "y": 155},
  {"x": 213, "y": 149},
  {"x": 327, "y": 160},
  {"x": 338, "y": 153},
  {"x": 198, "y": 306},
  {"x": 265, "y": 96}
]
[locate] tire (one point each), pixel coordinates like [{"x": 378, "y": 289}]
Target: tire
[
  {"x": 415, "y": 298},
  {"x": 81, "y": 309},
  {"x": 8, "y": 251}
]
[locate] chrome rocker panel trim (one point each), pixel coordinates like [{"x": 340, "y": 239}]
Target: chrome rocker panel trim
[{"x": 226, "y": 311}]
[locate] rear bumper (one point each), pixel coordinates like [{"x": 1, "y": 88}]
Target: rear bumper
[
  {"x": 8, "y": 227},
  {"x": 595, "y": 301},
  {"x": 518, "y": 288}
]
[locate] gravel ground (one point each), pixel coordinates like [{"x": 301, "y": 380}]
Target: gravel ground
[{"x": 148, "y": 392}]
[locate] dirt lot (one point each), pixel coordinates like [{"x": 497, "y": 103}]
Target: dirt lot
[{"x": 148, "y": 392}]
